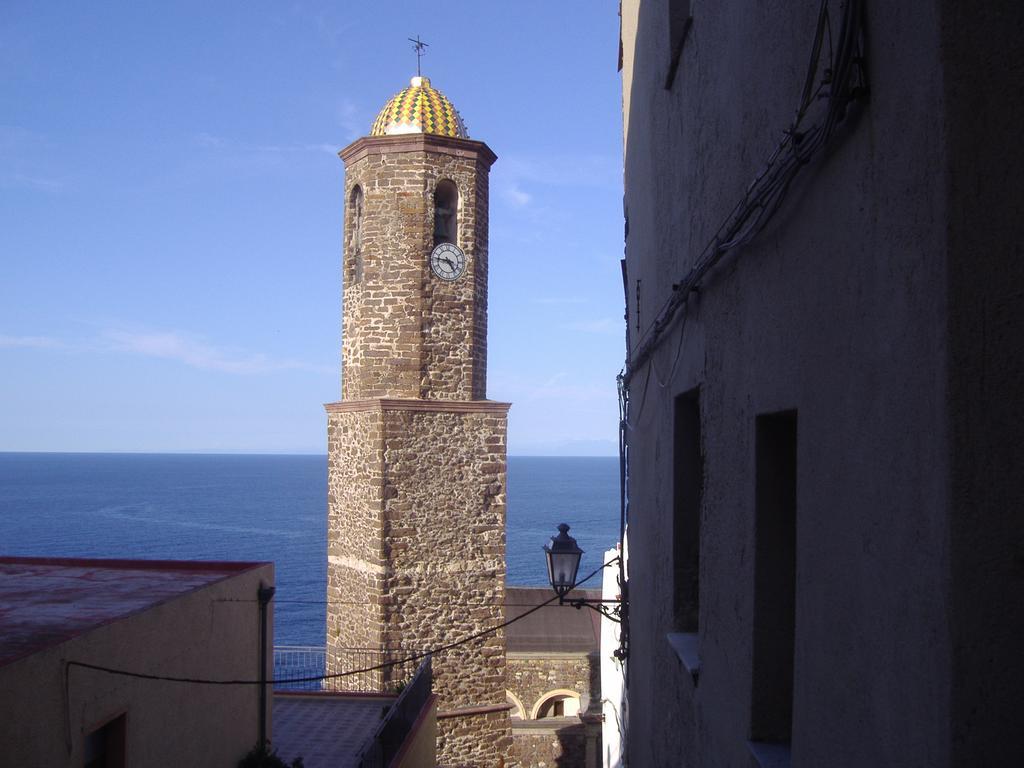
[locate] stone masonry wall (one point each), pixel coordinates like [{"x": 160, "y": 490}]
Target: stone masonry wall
[
  {"x": 531, "y": 675},
  {"x": 355, "y": 556},
  {"x": 561, "y": 744},
  {"x": 417, "y": 526},
  {"x": 553, "y": 742},
  {"x": 444, "y": 518},
  {"x": 406, "y": 332}
]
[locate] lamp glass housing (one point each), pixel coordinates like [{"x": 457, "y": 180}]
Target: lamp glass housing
[{"x": 563, "y": 561}]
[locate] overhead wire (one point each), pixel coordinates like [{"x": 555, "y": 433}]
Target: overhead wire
[
  {"x": 464, "y": 604},
  {"x": 317, "y": 678}
]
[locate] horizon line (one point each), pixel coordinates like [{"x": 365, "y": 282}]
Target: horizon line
[{"x": 236, "y": 452}]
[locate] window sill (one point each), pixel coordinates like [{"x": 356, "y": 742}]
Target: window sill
[
  {"x": 770, "y": 754},
  {"x": 686, "y": 646}
]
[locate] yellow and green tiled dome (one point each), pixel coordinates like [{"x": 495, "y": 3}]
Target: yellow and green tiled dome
[{"x": 419, "y": 108}]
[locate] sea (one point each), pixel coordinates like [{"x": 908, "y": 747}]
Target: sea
[{"x": 262, "y": 507}]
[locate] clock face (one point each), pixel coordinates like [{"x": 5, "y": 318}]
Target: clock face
[{"x": 448, "y": 261}]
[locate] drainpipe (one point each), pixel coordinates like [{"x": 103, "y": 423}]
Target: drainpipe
[{"x": 264, "y": 595}]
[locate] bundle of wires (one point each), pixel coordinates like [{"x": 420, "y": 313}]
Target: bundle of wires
[{"x": 829, "y": 89}]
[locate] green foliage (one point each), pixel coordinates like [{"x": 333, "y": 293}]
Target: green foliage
[{"x": 260, "y": 757}]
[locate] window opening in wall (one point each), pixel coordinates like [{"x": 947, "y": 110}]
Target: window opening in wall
[
  {"x": 688, "y": 491},
  {"x": 771, "y": 716},
  {"x": 446, "y": 208},
  {"x": 558, "y": 705},
  {"x": 679, "y": 21},
  {"x": 104, "y": 747},
  {"x": 356, "y": 232}
]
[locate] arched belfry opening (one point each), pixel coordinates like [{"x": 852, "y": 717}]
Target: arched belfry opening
[
  {"x": 446, "y": 213},
  {"x": 355, "y": 236}
]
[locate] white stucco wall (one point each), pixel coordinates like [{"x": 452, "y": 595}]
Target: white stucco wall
[{"x": 612, "y": 682}]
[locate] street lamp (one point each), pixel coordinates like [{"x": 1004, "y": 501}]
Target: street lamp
[
  {"x": 563, "y": 561},
  {"x": 563, "y": 565}
]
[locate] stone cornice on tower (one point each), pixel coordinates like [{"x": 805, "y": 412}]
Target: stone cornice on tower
[
  {"x": 418, "y": 142},
  {"x": 426, "y": 406}
]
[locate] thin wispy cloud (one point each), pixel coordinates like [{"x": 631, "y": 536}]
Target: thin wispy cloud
[
  {"x": 558, "y": 301},
  {"x": 515, "y": 196},
  {"x": 195, "y": 353},
  {"x": 182, "y": 348},
  {"x": 334, "y": 27},
  {"x": 16, "y": 138},
  {"x": 26, "y": 160},
  {"x": 29, "y": 342},
  {"x": 352, "y": 120},
  {"x": 588, "y": 170},
  {"x": 604, "y": 325},
  {"x": 559, "y": 387},
  {"x": 25, "y": 181},
  {"x": 210, "y": 141}
]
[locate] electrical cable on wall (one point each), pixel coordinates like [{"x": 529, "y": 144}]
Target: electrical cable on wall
[{"x": 842, "y": 82}]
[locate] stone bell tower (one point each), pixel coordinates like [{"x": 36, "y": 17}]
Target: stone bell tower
[{"x": 416, "y": 478}]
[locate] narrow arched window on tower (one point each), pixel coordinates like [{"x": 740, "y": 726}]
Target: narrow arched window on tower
[
  {"x": 355, "y": 232},
  {"x": 446, "y": 213}
]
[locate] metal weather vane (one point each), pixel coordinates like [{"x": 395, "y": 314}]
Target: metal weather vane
[{"x": 420, "y": 47}]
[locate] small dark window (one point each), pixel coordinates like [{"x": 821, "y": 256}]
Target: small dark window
[
  {"x": 679, "y": 21},
  {"x": 559, "y": 706},
  {"x": 104, "y": 747},
  {"x": 688, "y": 491},
  {"x": 355, "y": 241},
  {"x": 446, "y": 213},
  {"x": 771, "y": 716}
]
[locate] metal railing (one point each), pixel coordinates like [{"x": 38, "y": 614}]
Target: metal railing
[
  {"x": 297, "y": 661},
  {"x": 303, "y": 661}
]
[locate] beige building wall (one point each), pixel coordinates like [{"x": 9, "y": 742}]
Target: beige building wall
[
  {"x": 47, "y": 709},
  {"x": 420, "y": 748}
]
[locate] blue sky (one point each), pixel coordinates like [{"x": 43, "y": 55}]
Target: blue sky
[{"x": 171, "y": 208}]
